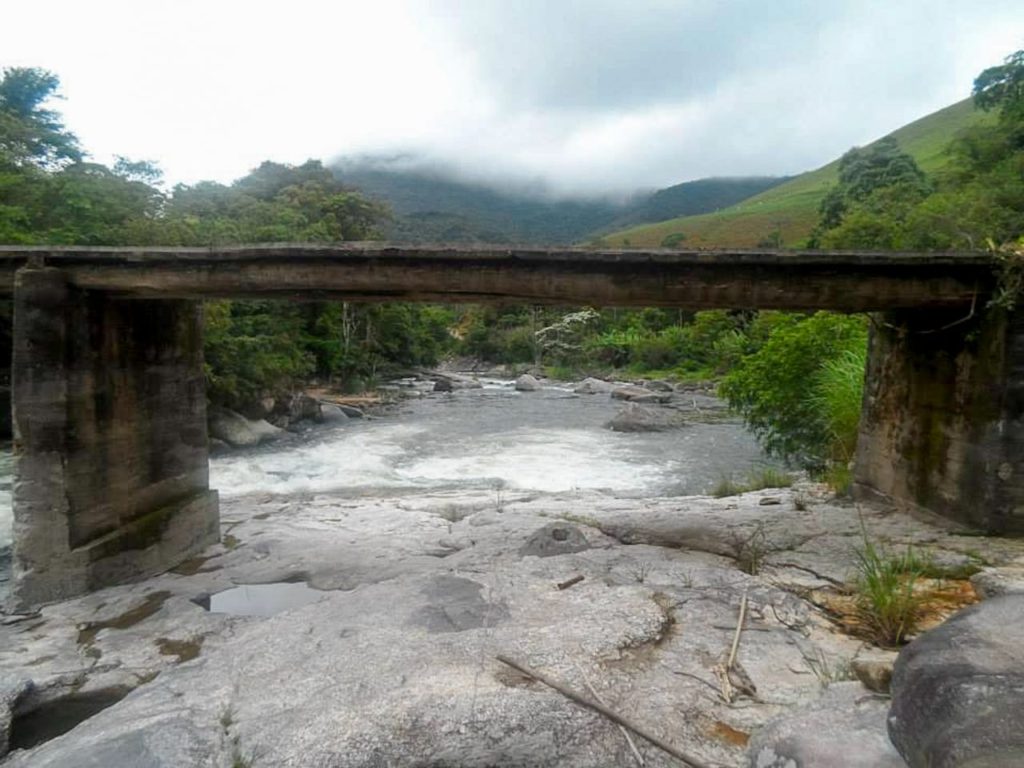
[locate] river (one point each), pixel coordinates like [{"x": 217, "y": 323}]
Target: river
[{"x": 494, "y": 437}]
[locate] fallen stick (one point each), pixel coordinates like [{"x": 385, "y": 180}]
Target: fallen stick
[
  {"x": 739, "y": 631},
  {"x": 570, "y": 582},
  {"x": 603, "y": 710}
]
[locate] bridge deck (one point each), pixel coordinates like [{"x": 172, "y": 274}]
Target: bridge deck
[{"x": 838, "y": 280}]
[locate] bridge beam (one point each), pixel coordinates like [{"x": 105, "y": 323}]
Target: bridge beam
[
  {"x": 111, "y": 462},
  {"x": 942, "y": 428}
]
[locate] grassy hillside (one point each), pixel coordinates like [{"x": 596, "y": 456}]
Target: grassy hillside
[{"x": 791, "y": 209}]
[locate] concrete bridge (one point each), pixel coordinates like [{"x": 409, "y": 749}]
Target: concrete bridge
[{"x": 109, "y": 404}]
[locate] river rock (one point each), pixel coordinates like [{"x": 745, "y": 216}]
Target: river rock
[
  {"x": 329, "y": 412},
  {"x": 845, "y": 728},
  {"x": 294, "y": 408},
  {"x": 443, "y": 385},
  {"x": 351, "y": 411},
  {"x": 874, "y": 669},
  {"x": 992, "y": 582},
  {"x": 527, "y": 383},
  {"x": 657, "y": 385},
  {"x": 555, "y": 539},
  {"x": 641, "y": 418},
  {"x": 240, "y": 432},
  {"x": 456, "y": 380},
  {"x": 633, "y": 393},
  {"x": 958, "y": 689},
  {"x": 592, "y": 386}
]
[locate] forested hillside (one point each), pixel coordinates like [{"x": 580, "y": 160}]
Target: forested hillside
[{"x": 428, "y": 206}]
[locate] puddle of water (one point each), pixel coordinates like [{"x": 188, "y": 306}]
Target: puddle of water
[
  {"x": 56, "y": 718},
  {"x": 261, "y": 599},
  {"x": 150, "y": 605},
  {"x": 185, "y": 650}
]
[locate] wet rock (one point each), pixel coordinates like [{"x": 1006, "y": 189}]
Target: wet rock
[
  {"x": 218, "y": 447},
  {"x": 632, "y": 393},
  {"x": 435, "y": 695},
  {"x": 657, "y": 385},
  {"x": 555, "y": 539},
  {"x": 845, "y": 728},
  {"x": 527, "y": 383},
  {"x": 455, "y": 381},
  {"x": 641, "y": 418},
  {"x": 591, "y": 386},
  {"x": 957, "y": 690},
  {"x": 329, "y": 412},
  {"x": 351, "y": 411},
  {"x": 874, "y": 669},
  {"x": 443, "y": 385},
  {"x": 240, "y": 432},
  {"x": 455, "y": 605}
]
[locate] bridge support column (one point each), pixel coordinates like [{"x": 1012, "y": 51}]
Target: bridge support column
[
  {"x": 109, "y": 406},
  {"x": 942, "y": 429}
]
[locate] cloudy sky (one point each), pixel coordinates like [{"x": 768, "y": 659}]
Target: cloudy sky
[{"x": 582, "y": 96}]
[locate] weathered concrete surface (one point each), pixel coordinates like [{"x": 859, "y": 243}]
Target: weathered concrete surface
[
  {"x": 111, "y": 476},
  {"x": 942, "y": 429},
  {"x": 394, "y": 665},
  {"x": 844, "y": 281},
  {"x": 958, "y": 690}
]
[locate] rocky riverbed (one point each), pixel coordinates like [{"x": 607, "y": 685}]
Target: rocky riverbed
[{"x": 360, "y": 626}]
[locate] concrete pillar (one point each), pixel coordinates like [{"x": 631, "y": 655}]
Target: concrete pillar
[
  {"x": 111, "y": 463},
  {"x": 942, "y": 429}
]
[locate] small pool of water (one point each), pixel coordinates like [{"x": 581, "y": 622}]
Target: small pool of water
[
  {"x": 261, "y": 599},
  {"x": 55, "y": 718}
]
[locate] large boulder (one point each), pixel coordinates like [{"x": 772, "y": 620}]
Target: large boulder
[
  {"x": 527, "y": 383},
  {"x": 845, "y": 728},
  {"x": 958, "y": 690},
  {"x": 634, "y": 394},
  {"x": 641, "y": 418},
  {"x": 292, "y": 409},
  {"x": 591, "y": 386},
  {"x": 240, "y": 432},
  {"x": 329, "y": 413}
]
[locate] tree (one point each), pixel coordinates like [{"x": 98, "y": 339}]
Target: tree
[
  {"x": 30, "y": 134},
  {"x": 1002, "y": 88}
]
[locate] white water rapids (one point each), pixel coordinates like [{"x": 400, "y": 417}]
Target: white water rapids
[{"x": 494, "y": 437}]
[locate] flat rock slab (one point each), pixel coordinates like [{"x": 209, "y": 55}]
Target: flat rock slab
[
  {"x": 845, "y": 728},
  {"x": 958, "y": 690}
]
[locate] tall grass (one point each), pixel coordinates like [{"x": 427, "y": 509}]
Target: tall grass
[
  {"x": 836, "y": 397},
  {"x": 886, "y": 600}
]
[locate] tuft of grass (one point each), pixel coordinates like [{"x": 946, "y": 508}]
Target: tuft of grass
[
  {"x": 768, "y": 477},
  {"x": 751, "y": 551},
  {"x": 726, "y": 486},
  {"x": 885, "y": 595}
]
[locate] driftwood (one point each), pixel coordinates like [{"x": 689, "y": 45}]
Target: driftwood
[{"x": 603, "y": 710}]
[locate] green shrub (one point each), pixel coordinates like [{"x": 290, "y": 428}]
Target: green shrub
[{"x": 772, "y": 387}]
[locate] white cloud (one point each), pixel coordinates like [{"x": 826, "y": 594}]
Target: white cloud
[{"x": 592, "y": 96}]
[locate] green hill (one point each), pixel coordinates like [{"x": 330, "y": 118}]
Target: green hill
[{"x": 791, "y": 209}]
